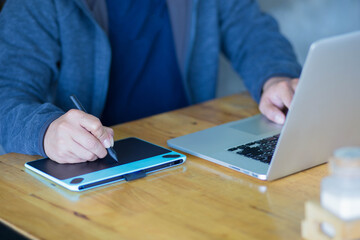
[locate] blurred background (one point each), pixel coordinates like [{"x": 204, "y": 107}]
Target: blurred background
[{"x": 302, "y": 22}]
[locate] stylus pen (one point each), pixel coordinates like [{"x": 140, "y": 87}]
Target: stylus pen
[{"x": 78, "y": 105}]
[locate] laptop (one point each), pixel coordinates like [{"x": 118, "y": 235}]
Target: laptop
[{"x": 324, "y": 115}]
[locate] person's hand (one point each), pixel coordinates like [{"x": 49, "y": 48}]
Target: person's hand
[
  {"x": 277, "y": 95},
  {"x": 77, "y": 137}
]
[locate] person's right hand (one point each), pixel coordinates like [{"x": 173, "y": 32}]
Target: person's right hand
[{"x": 77, "y": 137}]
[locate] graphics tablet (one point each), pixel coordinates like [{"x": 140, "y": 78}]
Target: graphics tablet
[{"x": 136, "y": 159}]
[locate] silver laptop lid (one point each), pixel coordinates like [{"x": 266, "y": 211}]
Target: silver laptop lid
[{"x": 325, "y": 112}]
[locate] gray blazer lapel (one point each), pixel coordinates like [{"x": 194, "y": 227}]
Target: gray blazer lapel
[
  {"x": 99, "y": 12},
  {"x": 180, "y": 12}
]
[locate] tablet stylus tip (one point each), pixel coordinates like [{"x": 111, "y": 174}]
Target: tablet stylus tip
[{"x": 112, "y": 153}]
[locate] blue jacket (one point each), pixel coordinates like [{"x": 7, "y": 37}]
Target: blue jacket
[{"x": 50, "y": 49}]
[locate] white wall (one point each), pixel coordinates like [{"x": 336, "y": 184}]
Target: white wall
[{"x": 302, "y": 22}]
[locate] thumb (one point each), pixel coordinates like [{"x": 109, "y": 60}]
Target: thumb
[{"x": 272, "y": 112}]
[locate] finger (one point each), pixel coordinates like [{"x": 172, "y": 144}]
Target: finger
[
  {"x": 285, "y": 94},
  {"x": 81, "y": 153},
  {"x": 286, "y": 97},
  {"x": 294, "y": 83},
  {"x": 89, "y": 142},
  {"x": 62, "y": 153},
  {"x": 111, "y": 132},
  {"x": 72, "y": 159},
  {"x": 94, "y": 126},
  {"x": 272, "y": 112},
  {"x": 69, "y": 157}
]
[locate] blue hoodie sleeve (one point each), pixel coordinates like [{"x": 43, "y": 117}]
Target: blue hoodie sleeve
[
  {"x": 252, "y": 42},
  {"x": 29, "y": 55}
]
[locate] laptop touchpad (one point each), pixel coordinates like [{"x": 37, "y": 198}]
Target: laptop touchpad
[{"x": 257, "y": 126}]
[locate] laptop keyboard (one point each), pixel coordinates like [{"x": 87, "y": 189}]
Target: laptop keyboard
[{"x": 261, "y": 150}]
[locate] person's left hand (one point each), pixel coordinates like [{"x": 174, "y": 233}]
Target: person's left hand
[{"x": 277, "y": 95}]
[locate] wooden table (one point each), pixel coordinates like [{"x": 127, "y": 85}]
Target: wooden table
[{"x": 198, "y": 200}]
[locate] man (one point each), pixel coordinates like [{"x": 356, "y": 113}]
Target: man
[{"x": 126, "y": 60}]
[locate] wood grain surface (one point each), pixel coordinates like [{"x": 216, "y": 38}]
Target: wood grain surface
[{"x": 198, "y": 200}]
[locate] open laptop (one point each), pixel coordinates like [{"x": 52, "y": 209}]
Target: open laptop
[{"x": 324, "y": 115}]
